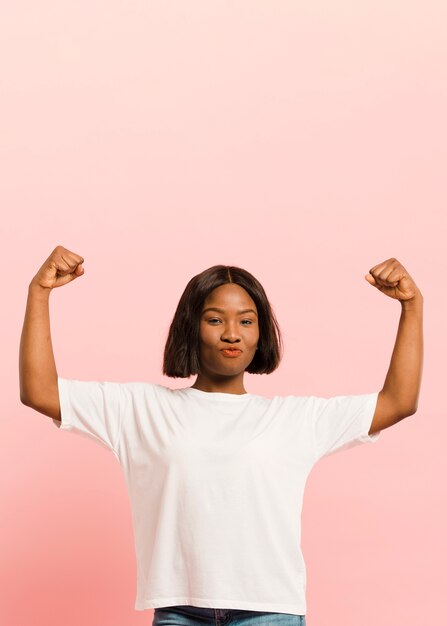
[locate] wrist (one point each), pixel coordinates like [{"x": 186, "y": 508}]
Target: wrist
[
  {"x": 37, "y": 291},
  {"x": 413, "y": 303}
]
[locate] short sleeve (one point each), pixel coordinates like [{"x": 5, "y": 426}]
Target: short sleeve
[
  {"x": 91, "y": 409},
  {"x": 342, "y": 422}
]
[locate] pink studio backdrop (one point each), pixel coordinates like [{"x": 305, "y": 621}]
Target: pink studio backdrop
[{"x": 305, "y": 142}]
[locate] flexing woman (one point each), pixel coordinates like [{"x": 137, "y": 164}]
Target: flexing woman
[{"x": 216, "y": 474}]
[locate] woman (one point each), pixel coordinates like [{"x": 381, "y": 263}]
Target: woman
[{"x": 216, "y": 474}]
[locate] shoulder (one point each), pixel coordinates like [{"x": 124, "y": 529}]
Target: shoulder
[{"x": 144, "y": 387}]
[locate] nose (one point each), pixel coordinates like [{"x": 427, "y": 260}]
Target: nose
[{"x": 230, "y": 334}]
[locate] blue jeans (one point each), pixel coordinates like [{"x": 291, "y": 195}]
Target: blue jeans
[{"x": 188, "y": 615}]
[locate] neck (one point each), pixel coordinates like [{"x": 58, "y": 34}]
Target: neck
[{"x": 227, "y": 385}]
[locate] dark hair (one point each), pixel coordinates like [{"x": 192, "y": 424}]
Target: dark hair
[{"x": 181, "y": 353}]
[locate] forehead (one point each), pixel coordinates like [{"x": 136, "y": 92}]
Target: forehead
[{"x": 228, "y": 296}]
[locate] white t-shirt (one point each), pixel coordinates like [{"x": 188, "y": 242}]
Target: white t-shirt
[{"x": 215, "y": 483}]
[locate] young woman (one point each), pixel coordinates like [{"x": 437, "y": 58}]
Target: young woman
[{"x": 216, "y": 474}]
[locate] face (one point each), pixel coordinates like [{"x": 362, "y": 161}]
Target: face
[{"x": 226, "y": 322}]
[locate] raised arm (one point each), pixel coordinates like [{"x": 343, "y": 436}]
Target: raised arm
[
  {"x": 37, "y": 367},
  {"x": 400, "y": 393}
]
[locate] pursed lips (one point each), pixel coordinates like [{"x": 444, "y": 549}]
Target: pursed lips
[{"x": 231, "y": 351}]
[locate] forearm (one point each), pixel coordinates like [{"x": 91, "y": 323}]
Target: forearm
[
  {"x": 37, "y": 368},
  {"x": 403, "y": 380}
]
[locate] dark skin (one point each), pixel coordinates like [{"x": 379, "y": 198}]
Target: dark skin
[{"x": 224, "y": 329}]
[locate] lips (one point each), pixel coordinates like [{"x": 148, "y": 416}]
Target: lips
[{"x": 231, "y": 351}]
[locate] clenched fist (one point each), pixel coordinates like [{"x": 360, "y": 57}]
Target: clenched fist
[
  {"x": 391, "y": 278},
  {"x": 61, "y": 267}
]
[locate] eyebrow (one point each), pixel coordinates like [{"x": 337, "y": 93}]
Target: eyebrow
[{"x": 215, "y": 308}]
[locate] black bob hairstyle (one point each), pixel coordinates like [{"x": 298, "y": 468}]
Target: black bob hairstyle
[{"x": 181, "y": 353}]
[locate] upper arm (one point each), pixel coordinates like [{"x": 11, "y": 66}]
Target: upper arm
[
  {"x": 387, "y": 413},
  {"x": 341, "y": 422},
  {"x": 49, "y": 405}
]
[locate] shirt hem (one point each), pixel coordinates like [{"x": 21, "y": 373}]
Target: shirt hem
[
  {"x": 65, "y": 422},
  {"x": 271, "y": 607}
]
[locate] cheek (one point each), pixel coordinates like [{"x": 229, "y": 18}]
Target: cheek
[{"x": 208, "y": 336}]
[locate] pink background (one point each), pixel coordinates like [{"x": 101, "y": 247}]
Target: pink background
[{"x": 305, "y": 142}]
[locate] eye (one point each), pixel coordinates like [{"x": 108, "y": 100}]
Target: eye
[{"x": 215, "y": 319}]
